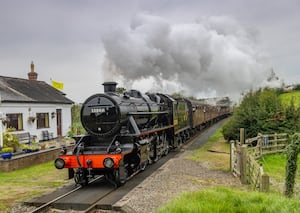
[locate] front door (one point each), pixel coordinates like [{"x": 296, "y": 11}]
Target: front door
[{"x": 58, "y": 122}]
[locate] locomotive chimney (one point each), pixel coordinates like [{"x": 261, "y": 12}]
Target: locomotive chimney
[{"x": 109, "y": 86}]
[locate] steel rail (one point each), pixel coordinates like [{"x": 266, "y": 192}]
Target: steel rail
[{"x": 44, "y": 206}]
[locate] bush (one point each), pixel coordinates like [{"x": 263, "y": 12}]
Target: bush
[{"x": 297, "y": 87}]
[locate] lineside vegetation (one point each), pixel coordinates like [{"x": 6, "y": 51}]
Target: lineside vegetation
[
  {"x": 265, "y": 111},
  {"x": 275, "y": 167},
  {"x": 23, "y": 184},
  {"x": 224, "y": 199},
  {"x": 230, "y": 200}
]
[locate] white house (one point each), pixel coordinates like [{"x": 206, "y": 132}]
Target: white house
[{"x": 33, "y": 106}]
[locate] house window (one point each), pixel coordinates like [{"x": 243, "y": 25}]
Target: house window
[
  {"x": 42, "y": 120},
  {"x": 15, "y": 121}
]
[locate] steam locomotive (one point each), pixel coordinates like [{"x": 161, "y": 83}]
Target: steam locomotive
[{"x": 127, "y": 132}]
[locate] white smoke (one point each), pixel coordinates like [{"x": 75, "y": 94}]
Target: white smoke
[{"x": 215, "y": 56}]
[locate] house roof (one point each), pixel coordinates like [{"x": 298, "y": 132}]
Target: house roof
[{"x": 31, "y": 91}]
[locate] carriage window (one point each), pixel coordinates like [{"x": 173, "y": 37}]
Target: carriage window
[
  {"x": 42, "y": 120},
  {"x": 15, "y": 121}
]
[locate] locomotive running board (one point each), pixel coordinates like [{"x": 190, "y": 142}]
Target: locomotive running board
[
  {"x": 152, "y": 131},
  {"x": 138, "y": 132},
  {"x": 147, "y": 113}
]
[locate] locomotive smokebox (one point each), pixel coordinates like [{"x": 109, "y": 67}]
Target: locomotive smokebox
[{"x": 109, "y": 86}]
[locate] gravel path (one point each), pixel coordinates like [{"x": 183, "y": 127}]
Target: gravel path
[{"x": 176, "y": 176}]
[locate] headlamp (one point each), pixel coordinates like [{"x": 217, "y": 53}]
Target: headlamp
[
  {"x": 108, "y": 163},
  {"x": 59, "y": 163}
]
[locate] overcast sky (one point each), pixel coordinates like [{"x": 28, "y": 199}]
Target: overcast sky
[{"x": 201, "y": 47}]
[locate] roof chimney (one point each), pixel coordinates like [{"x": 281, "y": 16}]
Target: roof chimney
[
  {"x": 109, "y": 86},
  {"x": 32, "y": 75}
]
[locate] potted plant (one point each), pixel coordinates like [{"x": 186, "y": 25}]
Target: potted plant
[
  {"x": 26, "y": 148},
  {"x": 33, "y": 147},
  {"x": 31, "y": 119},
  {"x": 4, "y": 121},
  {"x": 42, "y": 146},
  {"x": 6, "y": 152},
  {"x": 10, "y": 140}
]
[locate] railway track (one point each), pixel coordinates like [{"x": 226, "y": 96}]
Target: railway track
[
  {"x": 99, "y": 194},
  {"x": 64, "y": 199}
]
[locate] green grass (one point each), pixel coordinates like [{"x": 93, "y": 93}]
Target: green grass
[
  {"x": 215, "y": 152},
  {"x": 287, "y": 97},
  {"x": 20, "y": 185},
  {"x": 275, "y": 166},
  {"x": 229, "y": 200}
]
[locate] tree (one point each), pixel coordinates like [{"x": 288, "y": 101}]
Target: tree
[
  {"x": 297, "y": 87},
  {"x": 120, "y": 90},
  {"x": 76, "y": 127},
  {"x": 177, "y": 95},
  {"x": 261, "y": 111}
]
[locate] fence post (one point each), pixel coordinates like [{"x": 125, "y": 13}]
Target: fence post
[
  {"x": 259, "y": 143},
  {"x": 231, "y": 155},
  {"x": 243, "y": 165},
  {"x": 276, "y": 141},
  {"x": 265, "y": 183},
  {"x": 242, "y": 135}
]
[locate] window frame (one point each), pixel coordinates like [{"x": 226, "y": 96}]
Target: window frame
[
  {"x": 19, "y": 121},
  {"x": 42, "y": 118}
]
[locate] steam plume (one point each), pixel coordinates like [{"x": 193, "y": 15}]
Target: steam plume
[{"x": 215, "y": 56}]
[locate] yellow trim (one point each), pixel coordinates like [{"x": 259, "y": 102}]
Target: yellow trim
[
  {"x": 176, "y": 122},
  {"x": 46, "y": 119},
  {"x": 20, "y": 121}
]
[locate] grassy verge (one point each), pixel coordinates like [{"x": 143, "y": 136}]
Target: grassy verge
[
  {"x": 230, "y": 200},
  {"x": 21, "y": 185},
  {"x": 274, "y": 166},
  {"x": 215, "y": 152}
]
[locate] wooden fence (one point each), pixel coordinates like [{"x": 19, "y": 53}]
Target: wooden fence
[
  {"x": 243, "y": 156},
  {"x": 267, "y": 144}
]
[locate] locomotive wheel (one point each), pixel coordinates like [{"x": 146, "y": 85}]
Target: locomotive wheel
[
  {"x": 80, "y": 177},
  {"x": 117, "y": 178},
  {"x": 166, "y": 151},
  {"x": 165, "y": 145},
  {"x": 114, "y": 177},
  {"x": 153, "y": 153},
  {"x": 144, "y": 165}
]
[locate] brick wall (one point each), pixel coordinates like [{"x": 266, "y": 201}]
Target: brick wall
[{"x": 29, "y": 159}]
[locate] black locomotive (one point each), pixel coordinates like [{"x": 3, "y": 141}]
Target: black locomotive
[{"x": 127, "y": 132}]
